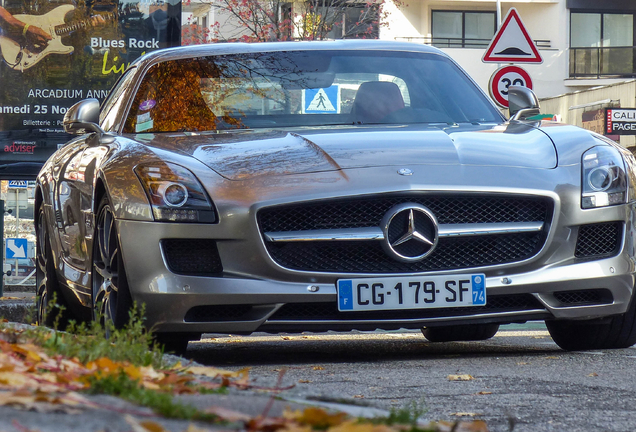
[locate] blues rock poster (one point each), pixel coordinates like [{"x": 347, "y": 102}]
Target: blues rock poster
[{"x": 55, "y": 53}]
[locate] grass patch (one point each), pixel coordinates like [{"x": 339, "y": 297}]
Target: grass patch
[
  {"x": 121, "y": 385},
  {"x": 94, "y": 340},
  {"x": 407, "y": 415}
]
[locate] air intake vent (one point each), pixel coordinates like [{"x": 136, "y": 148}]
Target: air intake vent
[
  {"x": 329, "y": 311},
  {"x": 192, "y": 256},
  {"x": 599, "y": 240},
  {"x": 584, "y": 297}
]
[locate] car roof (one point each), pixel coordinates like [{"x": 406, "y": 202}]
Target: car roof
[{"x": 240, "y": 47}]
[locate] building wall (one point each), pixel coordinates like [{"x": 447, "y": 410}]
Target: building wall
[
  {"x": 571, "y": 106},
  {"x": 544, "y": 20}
]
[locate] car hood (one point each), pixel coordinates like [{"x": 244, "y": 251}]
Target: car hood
[{"x": 242, "y": 155}]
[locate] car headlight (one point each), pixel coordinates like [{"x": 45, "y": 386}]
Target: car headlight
[
  {"x": 604, "y": 179},
  {"x": 175, "y": 194}
]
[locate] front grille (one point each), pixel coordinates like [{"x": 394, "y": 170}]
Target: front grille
[
  {"x": 192, "y": 256},
  {"x": 368, "y": 212},
  {"x": 599, "y": 240},
  {"x": 584, "y": 297},
  {"x": 369, "y": 257},
  {"x": 329, "y": 310}
]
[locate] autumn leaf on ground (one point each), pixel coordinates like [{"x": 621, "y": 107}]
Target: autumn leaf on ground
[
  {"x": 228, "y": 414},
  {"x": 462, "y": 426},
  {"x": 352, "y": 426},
  {"x": 318, "y": 368},
  {"x": 318, "y": 418},
  {"x": 144, "y": 426},
  {"x": 593, "y": 374},
  {"x": 465, "y": 414},
  {"x": 464, "y": 377},
  {"x": 484, "y": 393}
]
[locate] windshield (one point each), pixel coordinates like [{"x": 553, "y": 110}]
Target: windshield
[{"x": 305, "y": 88}]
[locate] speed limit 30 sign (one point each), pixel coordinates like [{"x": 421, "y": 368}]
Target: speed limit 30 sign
[{"x": 505, "y": 77}]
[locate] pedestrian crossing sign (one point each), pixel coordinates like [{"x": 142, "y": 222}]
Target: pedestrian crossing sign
[{"x": 322, "y": 100}]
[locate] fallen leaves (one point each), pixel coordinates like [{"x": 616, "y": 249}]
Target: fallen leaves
[
  {"x": 464, "y": 377},
  {"x": 30, "y": 379},
  {"x": 465, "y": 414}
]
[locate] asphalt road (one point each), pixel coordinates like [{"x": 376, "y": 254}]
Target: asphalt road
[{"x": 519, "y": 380}]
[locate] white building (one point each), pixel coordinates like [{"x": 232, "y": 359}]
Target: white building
[{"x": 584, "y": 43}]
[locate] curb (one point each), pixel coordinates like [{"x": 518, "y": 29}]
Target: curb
[{"x": 17, "y": 310}]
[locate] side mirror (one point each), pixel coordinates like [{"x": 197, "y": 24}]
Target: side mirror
[
  {"x": 83, "y": 117},
  {"x": 522, "y": 103}
]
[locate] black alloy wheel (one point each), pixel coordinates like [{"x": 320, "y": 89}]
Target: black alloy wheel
[
  {"x": 47, "y": 287},
  {"x": 618, "y": 331},
  {"x": 112, "y": 301}
]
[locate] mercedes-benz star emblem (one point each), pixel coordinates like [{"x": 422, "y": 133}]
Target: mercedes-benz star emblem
[
  {"x": 405, "y": 172},
  {"x": 410, "y": 232}
]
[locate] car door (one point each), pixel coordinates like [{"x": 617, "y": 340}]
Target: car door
[{"x": 73, "y": 206}]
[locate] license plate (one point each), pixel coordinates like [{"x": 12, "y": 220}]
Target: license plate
[{"x": 411, "y": 292}]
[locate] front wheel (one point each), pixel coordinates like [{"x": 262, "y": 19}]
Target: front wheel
[
  {"x": 112, "y": 301},
  {"x": 51, "y": 308},
  {"x": 614, "y": 332},
  {"x": 456, "y": 333}
]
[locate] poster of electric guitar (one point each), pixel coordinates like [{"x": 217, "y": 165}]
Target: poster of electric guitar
[{"x": 19, "y": 57}]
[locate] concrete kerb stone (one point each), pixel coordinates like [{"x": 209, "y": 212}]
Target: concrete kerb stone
[{"x": 17, "y": 310}]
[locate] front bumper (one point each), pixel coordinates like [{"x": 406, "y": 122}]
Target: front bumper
[{"x": 253, "y": 301}]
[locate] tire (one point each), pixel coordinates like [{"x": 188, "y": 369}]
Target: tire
[
  {"x": 47, "y": 287},
  {"x": 455, "y": 333},
  {"x": 111, "y": 298},
  {"x": 614, "y": 332}
]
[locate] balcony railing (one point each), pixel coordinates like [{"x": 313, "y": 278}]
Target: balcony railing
[
  {"x": 447, "y": 42},
  {"x": 440, "y": 42},
  {"x": 602, "y": 62}
]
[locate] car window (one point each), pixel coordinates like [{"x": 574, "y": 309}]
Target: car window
[
  {"x": 297, "y": 88},
  {"x": 110, "y": 107}
]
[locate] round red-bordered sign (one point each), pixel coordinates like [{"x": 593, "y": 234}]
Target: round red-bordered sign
[{"x": 505, "y": 77}]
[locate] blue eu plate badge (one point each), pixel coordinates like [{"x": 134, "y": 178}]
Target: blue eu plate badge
[
  {"x": 479, "y": 290},
  {"x": 345, "y": 294}
]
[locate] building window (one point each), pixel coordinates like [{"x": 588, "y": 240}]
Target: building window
[
  {"x": 601, "y": 44},
  {"x": 463, "y": 29}
]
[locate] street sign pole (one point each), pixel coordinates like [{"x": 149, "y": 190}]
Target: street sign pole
[
  {"x": 17, "y": 222},
  {"x": 2, "y": 248}
]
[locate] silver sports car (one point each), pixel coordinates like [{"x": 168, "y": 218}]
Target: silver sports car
[{"x": 289, "y": 187}]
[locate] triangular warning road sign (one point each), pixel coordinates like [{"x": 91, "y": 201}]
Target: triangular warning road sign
[
  {"x": 512, "y": 43},
  {"x": 321, "y": 102}
]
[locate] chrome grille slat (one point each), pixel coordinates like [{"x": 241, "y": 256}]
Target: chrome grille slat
[{"x": 375, "y": 233}]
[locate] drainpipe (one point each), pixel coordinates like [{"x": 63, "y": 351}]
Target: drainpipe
[{"x": 498, "y": 14}]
